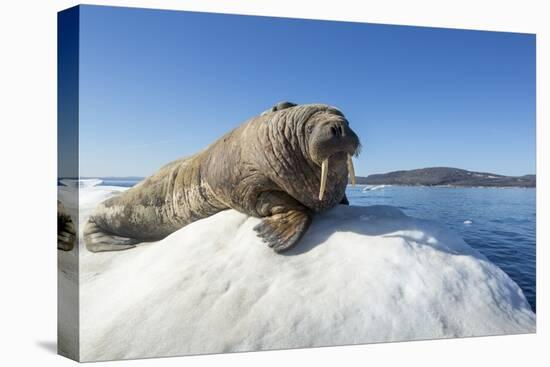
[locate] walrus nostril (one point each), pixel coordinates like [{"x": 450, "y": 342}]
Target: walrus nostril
[{"x": 336, "y": 131}]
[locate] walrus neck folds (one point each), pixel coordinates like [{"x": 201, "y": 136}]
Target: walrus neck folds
[{"x": 283, "y": 149}]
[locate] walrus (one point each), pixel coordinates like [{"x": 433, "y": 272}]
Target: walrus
[
  {"x": 283, "y": 166},
  {"x": 66, "y": 232}
]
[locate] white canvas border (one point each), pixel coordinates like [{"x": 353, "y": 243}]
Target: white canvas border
[{"x": 28, "y": 147}]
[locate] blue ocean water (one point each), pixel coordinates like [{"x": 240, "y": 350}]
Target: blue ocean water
[
  {"x": 119, "y": 182},
  {"x": 498, "y": 222}
]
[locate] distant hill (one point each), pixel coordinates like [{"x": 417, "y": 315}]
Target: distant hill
[{"x": 436, "y": 176}]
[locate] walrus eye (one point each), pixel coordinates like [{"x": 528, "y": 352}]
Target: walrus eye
[{"x": 309, "y": 129}]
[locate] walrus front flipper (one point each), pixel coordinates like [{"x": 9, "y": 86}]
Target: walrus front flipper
[
  {"x": 97, "y": 240},
  {"x": 283, "y": 230},
  {"x": 284, "y": 220},
  {"x": 66, "y": 232}
]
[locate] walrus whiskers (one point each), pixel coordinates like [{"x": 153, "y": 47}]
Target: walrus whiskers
[
  {"x": 351, "y": 170},
  {"x": 324, "y": 174}
]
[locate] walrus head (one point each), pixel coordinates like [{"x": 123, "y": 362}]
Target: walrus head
[
  {"x": 331, "y": 142},
  {"x": 318, "y": 140}
]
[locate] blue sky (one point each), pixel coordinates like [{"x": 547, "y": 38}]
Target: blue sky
[{"x": 159, "y": 85}]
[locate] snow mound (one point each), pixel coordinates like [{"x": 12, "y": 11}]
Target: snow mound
[{"x": 360, "y": 275}]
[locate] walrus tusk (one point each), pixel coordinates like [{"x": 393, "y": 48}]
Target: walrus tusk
[
  {"x": 351, "y": 170},
  {"x": 324, "y": 174}
]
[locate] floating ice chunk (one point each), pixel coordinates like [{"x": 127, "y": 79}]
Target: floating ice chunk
[
  {"x": 81, "y": 182},
  {"x": 374, "y": 187}
]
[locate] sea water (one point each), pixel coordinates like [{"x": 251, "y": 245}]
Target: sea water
[{"x": 498, "y": 222}]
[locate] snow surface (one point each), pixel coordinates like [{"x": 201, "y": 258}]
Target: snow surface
[{"x": 360, "y": 275}]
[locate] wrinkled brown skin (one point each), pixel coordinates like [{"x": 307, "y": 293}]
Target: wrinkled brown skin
[
  {"x": 264, "y": 168},
  {"x": 66, "y": 233}
]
